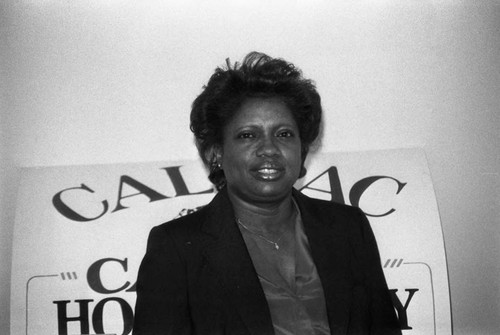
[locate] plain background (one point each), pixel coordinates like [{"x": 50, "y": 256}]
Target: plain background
[{"x": 86, "y": 82}]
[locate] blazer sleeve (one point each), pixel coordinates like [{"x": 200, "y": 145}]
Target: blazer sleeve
[
  {"x": 382, "y": 312},
  {"x": 162, "y": 305}
]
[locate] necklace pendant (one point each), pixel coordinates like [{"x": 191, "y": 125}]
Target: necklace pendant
[{"x": 276, "y": 246}]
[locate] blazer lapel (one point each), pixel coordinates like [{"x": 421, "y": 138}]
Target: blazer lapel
[
  {"x": 330, "y": 251},
  {"x": 226, "y": 252}
]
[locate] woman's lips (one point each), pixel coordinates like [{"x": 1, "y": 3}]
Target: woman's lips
[
  {"x": 266, "y": 170},
  {"x": 269, "y": 173}
]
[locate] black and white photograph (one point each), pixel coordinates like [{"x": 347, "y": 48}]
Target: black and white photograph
[{"x": 250, "y": 167}]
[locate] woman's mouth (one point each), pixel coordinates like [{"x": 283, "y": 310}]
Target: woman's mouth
[{"x": 269, "y": 173}]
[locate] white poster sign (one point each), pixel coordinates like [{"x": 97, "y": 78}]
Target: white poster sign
[{"x": 81, "y": 232}]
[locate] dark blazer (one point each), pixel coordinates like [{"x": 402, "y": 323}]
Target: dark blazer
[{"x": 197, "y": 276}]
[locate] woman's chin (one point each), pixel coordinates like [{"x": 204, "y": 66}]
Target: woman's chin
[{"x": 272, "y": 192}]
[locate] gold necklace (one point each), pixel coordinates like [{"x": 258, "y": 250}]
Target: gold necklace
[{"x": 276, "y": 246}]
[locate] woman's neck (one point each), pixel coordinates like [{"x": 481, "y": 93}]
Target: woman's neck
[{"x": 266, "y": 218}]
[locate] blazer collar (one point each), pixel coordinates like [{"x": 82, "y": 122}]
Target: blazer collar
[
  {"x": 330, "y": 251},
  {"x": 226, "y": 251}
]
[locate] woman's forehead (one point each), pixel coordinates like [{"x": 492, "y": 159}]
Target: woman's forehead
[{"x": 261, "y": 111}]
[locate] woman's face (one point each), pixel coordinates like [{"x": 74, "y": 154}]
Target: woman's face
[{"x": 261, "y": 153}]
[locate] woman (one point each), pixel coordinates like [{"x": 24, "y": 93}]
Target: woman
[{"x": 261, "y": 258}]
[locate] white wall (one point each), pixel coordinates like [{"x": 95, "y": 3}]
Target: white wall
[{"x": 112, "y": 81}]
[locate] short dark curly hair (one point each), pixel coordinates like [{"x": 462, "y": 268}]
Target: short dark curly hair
[{"x": 257, "y": 76}]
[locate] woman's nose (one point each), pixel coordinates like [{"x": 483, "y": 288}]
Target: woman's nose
[{"x": 268, "y": 147}]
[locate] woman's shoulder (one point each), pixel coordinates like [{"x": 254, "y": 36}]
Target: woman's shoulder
[
  {"x": 186, "y": 222},
  {"x": 176, "y": 232},
  {"x": 193, "y": 223}
]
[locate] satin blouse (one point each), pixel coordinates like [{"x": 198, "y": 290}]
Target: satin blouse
[{"x": 290, "y": 281}]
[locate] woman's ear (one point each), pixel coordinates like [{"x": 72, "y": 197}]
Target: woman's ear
[
  {"x": 214, "y": 156},
  {"x": 217, "y": 153}
]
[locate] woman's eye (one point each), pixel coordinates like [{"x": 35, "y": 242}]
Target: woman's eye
[
  {"x": 285, "y": 133},
  {"x": 246, "y": 135}
]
